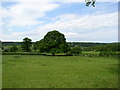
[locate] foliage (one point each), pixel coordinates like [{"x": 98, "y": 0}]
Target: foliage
[
  {"x": 11, "y": 43},
  {"x": 90, "y": 54},
  {"x": 13, "y": 49},
  {"x": 115, "y": 47},
  {"x": 26, "y": 44},
  {"x": 54, "y": 50},
  {"x": 109, "y": 53},
  {"x": 71, "y": 44},
  {"x": 84, "y": 44},
  {"x": 88, "y": 2},
  {"x": 36, "y": 45},
  {"x": 21, "y": 53},
  {"x": 76, "y": 50},
  {"x": 6, "y": 49},
  {"x": 112, "y": 47},
  {"x": 53, "y": 42}
]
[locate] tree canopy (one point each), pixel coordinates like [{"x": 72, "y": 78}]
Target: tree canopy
[
  {"x": 76, "y": 50},
  {"x": 26, "y": 44},
  {"x": 53, "y": 42}
]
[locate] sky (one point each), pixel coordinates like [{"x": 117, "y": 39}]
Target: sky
[{"x": 79, "y": 23}]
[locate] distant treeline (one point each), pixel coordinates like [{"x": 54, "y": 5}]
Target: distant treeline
[
  {"x": 71, "y": 44},
  {"x": 85, "y": 44},
  {"x": 104, "y": 49},
  {"x": 11, "y": 43},
  {"x": 54, "y": 42}
]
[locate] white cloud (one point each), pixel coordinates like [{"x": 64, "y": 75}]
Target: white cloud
[
  {"x": 79, "y": 28},
  {"x": 57, "y": 0},
  {"x": 91, "y": 0},
  {"x": 25, "y": 13},
  {"x": 88, "y": 27},
  {"x": 75, "y": 27}
]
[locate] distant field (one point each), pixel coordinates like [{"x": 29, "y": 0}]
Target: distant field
[
  {"x": 59, "y": 72},
  {"x": 91, "y": 52}
]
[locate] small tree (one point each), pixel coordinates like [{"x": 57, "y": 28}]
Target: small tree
[
  {"x": 26, "y": 44},
  {"x": 13, "y": 49},
  {"x": 35, "y": 45}
]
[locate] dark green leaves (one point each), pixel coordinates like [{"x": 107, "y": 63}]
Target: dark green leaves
[
  {"x": 26, "y": 44},
  {"x": 53, "y": 42}
]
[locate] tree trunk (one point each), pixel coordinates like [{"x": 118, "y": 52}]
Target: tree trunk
[{"x": 53, "y": 54}]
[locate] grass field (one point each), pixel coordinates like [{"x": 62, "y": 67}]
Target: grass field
[{"x": 59, "y": 72}]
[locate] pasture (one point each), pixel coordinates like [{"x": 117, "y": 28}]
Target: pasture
[{"x": 33, "y": 71}]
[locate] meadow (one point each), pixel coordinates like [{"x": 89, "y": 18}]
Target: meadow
[{"x": 35, "y": 71}]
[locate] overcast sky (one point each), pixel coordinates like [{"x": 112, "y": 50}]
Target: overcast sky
[{"x": 79, "y": 23}]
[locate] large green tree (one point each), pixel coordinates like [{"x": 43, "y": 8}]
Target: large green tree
[
  {"x": 26, "y": 44},
  {"x": 53, "y": 42}
]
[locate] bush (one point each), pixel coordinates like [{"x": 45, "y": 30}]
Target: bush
[
  {"x": 7, "y": 49},
  {"x": 21, "y": 53},
  {"x": 76, "y": 50},
  {"x": 13, "y": 49},
  {"x": 109, "y": 53}
]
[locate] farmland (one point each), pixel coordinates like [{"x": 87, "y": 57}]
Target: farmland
[{"x": 34, "y": 71}]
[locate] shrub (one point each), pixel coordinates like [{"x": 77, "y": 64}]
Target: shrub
[
  {"x": 76, "y": 50},
  {"x": 21, "y": 53},
  {"x": 13, "y": 49},
  {"x": 109, "y": 53}
]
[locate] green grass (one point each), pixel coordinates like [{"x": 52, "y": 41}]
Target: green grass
[
  {"x": 59, "y": 72},
  {"x": 91, "y": 52}
]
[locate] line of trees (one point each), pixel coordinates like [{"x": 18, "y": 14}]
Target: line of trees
[
  {"x": 107, "y": 47},
  {"x": 55, "y": 42}
]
